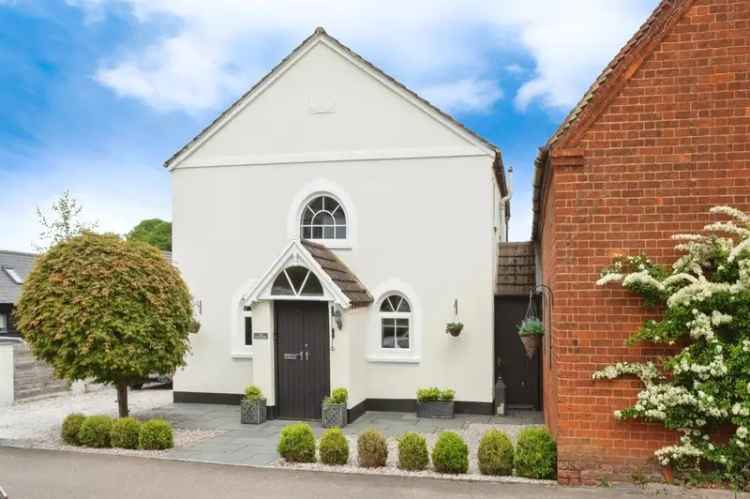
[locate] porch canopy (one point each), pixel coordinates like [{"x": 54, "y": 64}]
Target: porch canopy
[{"x": 309, "y": 271}]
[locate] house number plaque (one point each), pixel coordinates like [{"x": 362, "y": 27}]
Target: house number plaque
[{"x": 260, "y": 336}]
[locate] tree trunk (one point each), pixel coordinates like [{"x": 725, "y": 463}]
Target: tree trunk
[{"x": 122, "y": 399}]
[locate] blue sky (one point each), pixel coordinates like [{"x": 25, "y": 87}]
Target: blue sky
[{"x": 96, "y": 94}]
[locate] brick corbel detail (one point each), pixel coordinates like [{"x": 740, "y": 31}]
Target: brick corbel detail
[{"x": 566, "y": 157}]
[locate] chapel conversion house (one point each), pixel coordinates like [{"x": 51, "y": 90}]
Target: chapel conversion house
[
  {"x": 662, "y": 135},
  {"x": 330, "y": 223}
]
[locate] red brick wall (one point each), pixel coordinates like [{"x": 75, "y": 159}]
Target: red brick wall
[{"x": 673, "y": 143}]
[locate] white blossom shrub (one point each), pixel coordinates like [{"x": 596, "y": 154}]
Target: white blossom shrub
[{"x": 704, "y": 388}]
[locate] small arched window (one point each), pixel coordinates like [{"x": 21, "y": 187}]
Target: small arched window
[
  {"x": 296, "y": 281},
  {"x": 323, "y": 218},
  {"x": 395, "y": 322}
]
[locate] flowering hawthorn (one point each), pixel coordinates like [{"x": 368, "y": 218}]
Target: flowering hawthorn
[{"x": 706, "y": 385}]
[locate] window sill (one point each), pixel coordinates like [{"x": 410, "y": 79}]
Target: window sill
[
  {"x": 242, "y": 355},
  {"x": 381, "y": 359},
  {"x": 343, "y": 244}
]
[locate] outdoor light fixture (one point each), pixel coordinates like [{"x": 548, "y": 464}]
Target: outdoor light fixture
[{"x": 338, "y": 316}]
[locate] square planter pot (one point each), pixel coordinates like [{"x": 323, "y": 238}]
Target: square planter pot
[
  {"x": 435, "y": 409},
  {"x": 333, "y": 415},
  {"x": 253, "y": 411}
]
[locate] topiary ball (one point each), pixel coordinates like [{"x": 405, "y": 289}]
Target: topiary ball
[
  {"x": 372, "y": 449},
  {"x": 334, "y": 449},
  {"x": 71, "y": 427},
  {"x": 297, "y": 443},
  {"x": 536, "y": 454},
  {"x": 125, "y": 433},
  {"x": 412, "y": 452},
  {"x": 495, "y": 454},
  {"x": 451, "y": 454},
  {"x": 95, "y": 431},
  {"x": 156, "y": 434}
]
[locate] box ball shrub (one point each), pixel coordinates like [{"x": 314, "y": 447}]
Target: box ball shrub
[
  {"x": 334, "y": 449},
  {"x": 372, "y": 449},
  {"x": 253, "y": 392},
  {"x": 297, "y": 443},
  {"x": 450, "y": 454},
  {"x": 536, "y": 454},
  {"x": 71, "y": 427},
  {"x": 95, "y": 431},
  {"x": 125, "y": 433},
  {"x": 156, "y": 434},
  {"x": 412, "y": 452},
  {"x": 495, "y": 454}
]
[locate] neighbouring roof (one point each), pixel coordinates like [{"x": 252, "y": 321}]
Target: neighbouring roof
[
  {"x": 320, "y": 32},
  {"x": 339, "y": 274},
  {"x": 617, "y": 70},
  {"x": 12, "y": 264},
  {"x": 515, "y": 269}
]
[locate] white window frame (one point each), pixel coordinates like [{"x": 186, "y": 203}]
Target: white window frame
[
  {"x": 323, "y": 187},
  {"x": 297, "y": 292},
  {"x": 393, "y": 316},
  {"x": 312, "y": 227},
  {"x": 247, "y": 312},
  {"x": 4, "y": 323},
  {"x": 376, "y": 353}
]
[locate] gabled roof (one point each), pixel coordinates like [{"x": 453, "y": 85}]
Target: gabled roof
[
  {"x": 317, "y": 35},
  {"x": 339, "y": 274},
  {"x": 606, "y": 87},
  {"x": 13, "y": 263}
]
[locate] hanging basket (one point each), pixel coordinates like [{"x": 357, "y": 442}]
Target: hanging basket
[{"x": 531, "y": 343}]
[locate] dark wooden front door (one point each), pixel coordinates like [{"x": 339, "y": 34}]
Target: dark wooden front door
[
  {"x": 520, "y": 374},
  {"x": 303, "y": 375}
]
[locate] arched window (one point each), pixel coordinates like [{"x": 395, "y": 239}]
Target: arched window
[
  {"x": 395, "y": 322},
  {"x": 296, "y": 281},
  {"x": 323, "y": 218}
]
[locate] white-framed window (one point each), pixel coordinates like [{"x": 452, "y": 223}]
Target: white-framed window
[
  {"x": 323, "y": 218},
  {"x": 247, "y": 324},
  {"x": 296, "y": 281},
  {"x": 395, "y": 323},
  {"x": 3, "y": 323}
]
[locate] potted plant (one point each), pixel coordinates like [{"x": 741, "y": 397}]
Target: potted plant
[
  {"x": 253, "y": 406},
  {"x": 454, "y": 328},
  {"x": 435, "y": 403},
  {"x": 334, "y": 413},
  {"x": 531, "y": 331}
]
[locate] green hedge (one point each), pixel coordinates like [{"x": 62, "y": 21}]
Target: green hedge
[
  {"x": 536, "y": 454},
  {"x": 71, "y": 427},
  {"x": 495, "y": 454},
  {"x": 125, "y": 433},
  {"x": 297, "y": 443},
  {"x": 334, "y": 449},
  {"x": 156, "y": 434},
  {"x": 95, "y": 431},
  {"x": 412, "y": 452},
  {"x": 450, "y": 454}
]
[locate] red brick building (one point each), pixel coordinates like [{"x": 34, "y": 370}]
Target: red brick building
[{"x": 662, "y": 135}]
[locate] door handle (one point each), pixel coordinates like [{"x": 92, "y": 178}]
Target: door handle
[
  {"x": 307, "y": 355},
  {"x": 300, "y": 355}
]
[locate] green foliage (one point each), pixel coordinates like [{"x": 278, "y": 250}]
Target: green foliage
[
  {"x": 338, "y": 396},
  {"x": 372, "y": 449},
  {"x": 450, "y": 454},
  {"x": 704, "y": 387},
  {"x": 95, "y": 431},
  {"x": 531, "y": 327},
  {"x": 434, "y": 394},
  {"x": 97, "y": 307},
  {"x": 156, "y": 434},
  {"x": 412, "y": 452},
  {"x": 334, "y": 449},
  {"x": 125, "y": 433},
  {"x": 297, "y": 443},
  {"x": 536, "y": 454},
  {"x": 253, "y": 392},
  {"x": 495, "y": 454},
  {"x": 153, "y": 231},
  {"x": 63, "y": 222},
  {"x": 71, "y": 427}
]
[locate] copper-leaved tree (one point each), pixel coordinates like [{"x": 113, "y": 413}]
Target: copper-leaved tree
[{"x": 96, "y": 307}]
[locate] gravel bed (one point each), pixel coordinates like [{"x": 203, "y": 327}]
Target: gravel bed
[
  {"x": 38, "y": 418},
  {"x": 471, "y": 435}
]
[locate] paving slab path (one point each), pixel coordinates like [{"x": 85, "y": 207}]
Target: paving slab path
[{"x": 43, "y": 474}]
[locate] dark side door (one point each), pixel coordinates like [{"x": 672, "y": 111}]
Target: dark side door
[
  {"x": 302, "y": 358},
  {"x": 520, "y": 374}
]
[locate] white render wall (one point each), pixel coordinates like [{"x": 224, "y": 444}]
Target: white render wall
[{"x": 419, "y": 192}]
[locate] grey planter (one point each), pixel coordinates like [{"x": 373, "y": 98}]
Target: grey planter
[
  {"x": 253, "y": 411},
  {"x": 333, "y": 415},
  {"x": 437, "y": 409}
]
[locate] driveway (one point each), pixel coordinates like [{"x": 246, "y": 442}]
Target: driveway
[{"x": 41, "y": 474}]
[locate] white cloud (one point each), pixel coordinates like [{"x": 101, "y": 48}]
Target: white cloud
[
  {"x": 221, "y": 47},
  {"x": 463, "y": 95}
]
